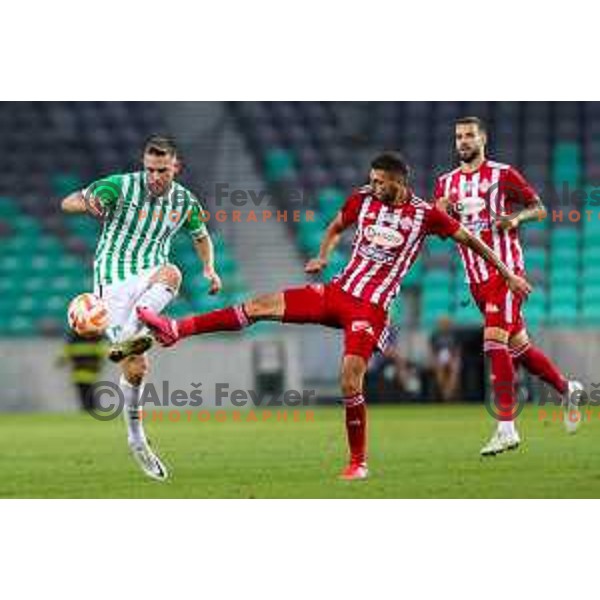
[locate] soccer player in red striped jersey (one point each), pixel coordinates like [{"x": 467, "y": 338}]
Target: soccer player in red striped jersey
[
  {"x": 391, "y": 225},
  {"x": 491, "y": 200}
]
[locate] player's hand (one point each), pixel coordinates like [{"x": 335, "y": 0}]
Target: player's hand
[
  {"x": 94, "y": 207},
  {"x": 506, "y": 224},
  {"x": 214, "y": 280},
  {"x": 518, "y": 285},
  {"x": 315, "y": 265}
]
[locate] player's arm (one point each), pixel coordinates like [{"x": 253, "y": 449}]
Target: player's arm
[
  {"x": 517, "y": 284},
  {"x": 347, "y": 216},
  {"x": 206, "y": 253},
  {"x": 204, "y": 247},
  {"x": 535, "y": 211},
  {"x": 330, "y": 241},
  {"x": 75, "y": 203},
  {"x": 99, "y": 196},
  {"x": 531, "y": 205}
]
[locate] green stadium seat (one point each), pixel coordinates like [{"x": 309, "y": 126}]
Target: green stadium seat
[
  {"x": 437, "y": 277},
  {"x": 562, "y": 313},
  {"x": 590, "y": 313},
  {"x": 330, "y": 201},
  {"x": 467, "y": 314},
  {"x": 536, "y": 258},
  {"x": 590, "y": 255},
  {"x": 590, "y": 293},
  {"x": 279, "y": 164},
  {"x": 8, "y": 208},
  {"x": 564, "y": 273}
]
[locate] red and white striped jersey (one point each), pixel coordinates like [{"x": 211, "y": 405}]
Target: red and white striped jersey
[
  {"x": 477, "y": 200},
  {"x": 387, "y": 242}
]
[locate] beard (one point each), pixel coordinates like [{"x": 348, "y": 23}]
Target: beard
[{"x": 468, "y": 156}]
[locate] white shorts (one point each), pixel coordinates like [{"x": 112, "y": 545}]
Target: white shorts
[{"x": 120, "y": 298}]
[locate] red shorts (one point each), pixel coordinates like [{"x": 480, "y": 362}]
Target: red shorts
[
  {"x": 364, "y": 323},
  {"x": 499, "y": 306}
]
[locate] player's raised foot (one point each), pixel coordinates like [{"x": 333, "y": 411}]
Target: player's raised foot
[
  {"x": 572, "y": 418},
  {"x": 132, "y": 347},
  {"x": 148, "y": 461},
  {"x": 501, "y": 442},
  {"x": 163, "y": 329},
  {"x": 355, "y": 471}
]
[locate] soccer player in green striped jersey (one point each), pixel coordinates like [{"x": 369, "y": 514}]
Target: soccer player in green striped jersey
[{"x": 141, "y": 213}]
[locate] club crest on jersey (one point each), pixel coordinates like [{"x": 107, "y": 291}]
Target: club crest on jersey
[
  {"x": 469, "y": 206},
  {"x": 484, "y": 186},
  {"x": 383, "y": 236},
  {"x": 405, "y": 223}
]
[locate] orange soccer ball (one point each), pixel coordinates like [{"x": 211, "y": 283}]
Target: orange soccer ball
[{"x": 88, "y": 315}]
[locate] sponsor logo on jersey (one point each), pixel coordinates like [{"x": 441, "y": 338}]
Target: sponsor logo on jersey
[
  {"x": 383, "y": 236},
  {"x": 470, "y": 206},
  {"x": 491, "y": 308},
  {"x": 376, "y": 254},
  {"x": 406, "y": 223}
]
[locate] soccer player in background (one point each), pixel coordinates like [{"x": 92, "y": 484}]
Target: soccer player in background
[
  {"x": 141, "y": 212},
  {"x": 391, "y": 226},
  {"x": 492, "y": 200}
]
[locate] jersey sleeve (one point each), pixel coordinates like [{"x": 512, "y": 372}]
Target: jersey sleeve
[
  {"x": 517, "y": 189},
  {"x": 107, "y": 190},
  {"x": 439, "y": 223},
  {"x": 351, "y": 209},
  {"x": 194, "y": 222}
]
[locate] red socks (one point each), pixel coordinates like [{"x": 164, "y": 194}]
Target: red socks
[
  {"x": 537, "y": 363},
  {"x": 356, "y": 428},
  {"x": 503, "y": 379},
  {"x": 233, "y": 318}
]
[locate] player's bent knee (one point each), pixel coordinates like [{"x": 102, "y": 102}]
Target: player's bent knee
[
  {"x": 269, "y": 306},
  {"x": 519, "y": 339},
  {"x": 496, "y": 335},
  {"x": 169, "y": 275}
]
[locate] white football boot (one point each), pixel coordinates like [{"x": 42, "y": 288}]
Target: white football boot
[
  {"x": 143, "y": 455},
  {"x": 572, "y": 417},
  {"x": 501, "y": 442}
]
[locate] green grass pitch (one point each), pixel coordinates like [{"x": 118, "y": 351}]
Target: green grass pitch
[{"x": 415, "y": 452}]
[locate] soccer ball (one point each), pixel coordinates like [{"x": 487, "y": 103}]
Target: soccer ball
[{"x": 88, "y": 315}]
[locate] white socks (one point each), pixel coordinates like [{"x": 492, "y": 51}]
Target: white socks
[
  {"x": 507, "y": 428},
  {"x": 132, "y": 411},
  {"x": 156, "y": 297}
]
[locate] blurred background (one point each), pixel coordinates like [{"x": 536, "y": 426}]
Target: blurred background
[{"x": 299, "y": 156}]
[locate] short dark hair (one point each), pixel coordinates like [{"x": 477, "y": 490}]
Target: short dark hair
[
  {"x": 472, "y": 121},
  {"x": 392, "y": 162},
  {"x": 160, "y": 145}
]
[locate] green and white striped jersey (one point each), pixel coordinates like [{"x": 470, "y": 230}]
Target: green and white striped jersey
[{"x": 138, "y": 228}]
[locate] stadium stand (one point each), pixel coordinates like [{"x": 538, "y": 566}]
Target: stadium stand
[{"x": 52, "y": 148}]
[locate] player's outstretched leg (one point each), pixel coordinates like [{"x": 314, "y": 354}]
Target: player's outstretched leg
[
  {"x": 233, "y": 318},
  {"x": 503, "y": 385},
  {"x": 162, "y": 289},
  {"x": 135, "y": 369},
  {"x": 539, "y": 364},
  {"x": 352, "y": 377}
]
